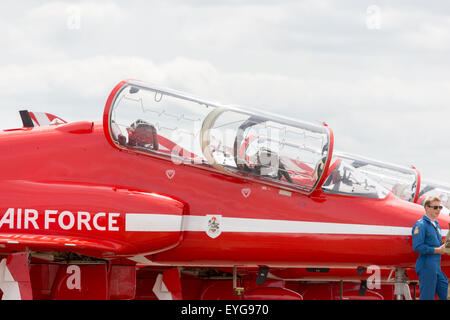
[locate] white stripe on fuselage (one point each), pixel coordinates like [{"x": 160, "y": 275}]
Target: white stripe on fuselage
[
  {"x": 152, "y": 222},
  {"x": 167, "y": 222}
]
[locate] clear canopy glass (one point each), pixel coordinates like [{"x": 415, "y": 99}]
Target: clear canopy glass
[
  {"x": 347, "y": 180},
  {"x": 401, "y": 181},
  {"x": 235, "y": 141},
  {"x": 430, "y": 188}
]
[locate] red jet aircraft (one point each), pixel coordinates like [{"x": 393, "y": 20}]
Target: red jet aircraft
[{"x": 170, "y": 189}]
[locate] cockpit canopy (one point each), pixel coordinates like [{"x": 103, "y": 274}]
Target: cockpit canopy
[
  {"x": 251, "y": 144},
  {"x": 435, "y": 189},
  {"x": 347, "y": 180},
  {"x": 401, "y": 181}
]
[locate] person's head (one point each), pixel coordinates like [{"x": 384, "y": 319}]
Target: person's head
[{"x": 432, "y": 207}]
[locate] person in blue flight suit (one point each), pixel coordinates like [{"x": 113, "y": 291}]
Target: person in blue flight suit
[{"x": 427, "y": 241}]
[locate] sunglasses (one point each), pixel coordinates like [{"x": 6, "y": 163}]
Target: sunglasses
[{"x": 435, "y": 207}]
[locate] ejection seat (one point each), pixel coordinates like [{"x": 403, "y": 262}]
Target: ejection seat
[{"x": 143, "y": 135}]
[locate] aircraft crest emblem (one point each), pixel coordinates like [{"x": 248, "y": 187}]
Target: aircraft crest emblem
[{"x": 214, "y": 222}]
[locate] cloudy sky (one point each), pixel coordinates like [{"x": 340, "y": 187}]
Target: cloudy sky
[{"x": 376, "y": 71}]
